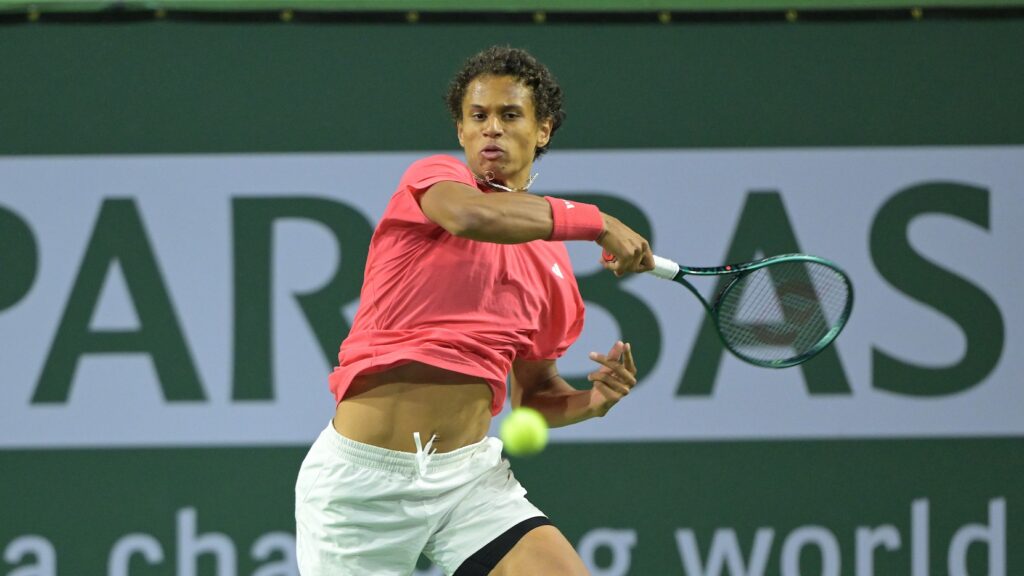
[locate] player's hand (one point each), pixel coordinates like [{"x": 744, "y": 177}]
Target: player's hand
[
  {"x": 625, "y": 251},
  {"x": 614, "y": 380}
]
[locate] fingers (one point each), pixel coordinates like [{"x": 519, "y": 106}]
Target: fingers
[
  {"x": 627, "y": 359},
  {"x": 612, "y": 364},
  {"x": 610, "y": 395},
  {"x": 609, "y": 385},
  {"x": 615, "y": 359},
  {"x": 616, "y": 375},
  {"x": 647, "y": 260},
  {"x": 635, "y": 256},
  {"x": 613, "y": 265},
  {"x": 618, "y": 349}
]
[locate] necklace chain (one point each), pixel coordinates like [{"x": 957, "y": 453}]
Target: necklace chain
[{"x": 490, "y": 182}]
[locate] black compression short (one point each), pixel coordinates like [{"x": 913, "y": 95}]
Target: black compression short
[{"x": 485, "y": 559}]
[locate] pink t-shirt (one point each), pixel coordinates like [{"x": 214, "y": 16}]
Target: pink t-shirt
[{"x": 462, "y": 305}]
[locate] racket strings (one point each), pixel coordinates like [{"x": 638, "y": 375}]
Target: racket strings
[{"x": 783, "y": 311}]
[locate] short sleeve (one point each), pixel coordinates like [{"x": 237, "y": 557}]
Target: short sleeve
[
  {"x": 420, "y": 176},
  {"x": 428, "y": 171}
]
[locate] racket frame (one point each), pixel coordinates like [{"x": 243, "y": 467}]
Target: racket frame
[{"x": 670, "y": 270}]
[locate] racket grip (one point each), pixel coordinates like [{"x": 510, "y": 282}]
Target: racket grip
[{"x": 664, "y": 268}]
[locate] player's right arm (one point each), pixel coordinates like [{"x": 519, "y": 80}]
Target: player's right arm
[
  {"x": 515, "y": 217},
  {"x": 500, "y": 217}
]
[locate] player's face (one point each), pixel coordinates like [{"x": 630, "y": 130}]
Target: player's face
[{"x": 499, "y": 129}]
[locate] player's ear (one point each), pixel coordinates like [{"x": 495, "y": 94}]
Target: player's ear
[
  {"x": 458, "y": 132},
  {"x": 544, "y": 128}
]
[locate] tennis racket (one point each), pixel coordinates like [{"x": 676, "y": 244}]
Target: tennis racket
[{"x": 775, "y": 312}]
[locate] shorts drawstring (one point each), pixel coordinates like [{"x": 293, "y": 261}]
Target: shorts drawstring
[{"x": 423, "y": 453}]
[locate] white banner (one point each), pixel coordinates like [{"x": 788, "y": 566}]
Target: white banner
[{"x": 52, "y": 210}]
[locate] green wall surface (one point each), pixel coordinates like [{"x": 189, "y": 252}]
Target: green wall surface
[
  {"x": 503, "y": 5},
  {"x": 175, "y": 87},
  {"x": 86, "y": 501}
]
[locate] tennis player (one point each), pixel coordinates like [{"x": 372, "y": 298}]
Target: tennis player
[{"x": 467, "y": 282}]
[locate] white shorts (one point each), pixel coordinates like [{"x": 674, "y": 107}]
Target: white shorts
[{"x": 364, "y": 510}]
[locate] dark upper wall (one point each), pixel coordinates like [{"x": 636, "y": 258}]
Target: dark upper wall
[{"x": 200, "y": 86}]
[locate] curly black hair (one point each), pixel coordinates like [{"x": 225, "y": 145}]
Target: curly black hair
[{"x": 519, "y": 64}]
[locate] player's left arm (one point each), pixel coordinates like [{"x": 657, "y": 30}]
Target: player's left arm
[{"x": 536, "y": 384}]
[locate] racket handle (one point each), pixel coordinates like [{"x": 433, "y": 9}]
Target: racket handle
[{"x": 663, "y": 267}]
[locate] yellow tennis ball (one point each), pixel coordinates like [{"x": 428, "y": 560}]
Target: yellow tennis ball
[{"x": 524, "y": 432}]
